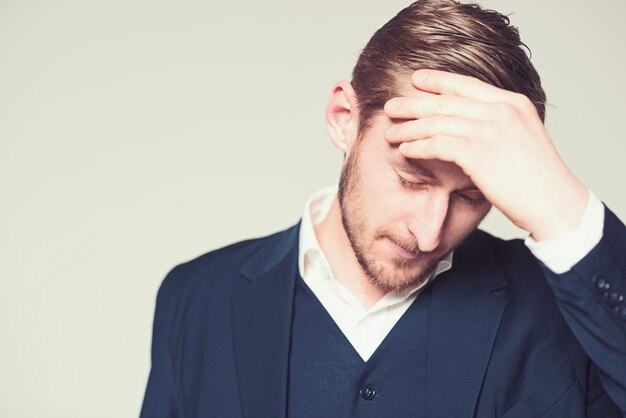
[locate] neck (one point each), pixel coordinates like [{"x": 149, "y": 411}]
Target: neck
[{"x": 343, "y": 263}]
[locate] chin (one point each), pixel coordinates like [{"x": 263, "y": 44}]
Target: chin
[{"x": 400, "y": 275}]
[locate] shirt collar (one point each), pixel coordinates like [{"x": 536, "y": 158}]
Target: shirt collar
[{"x": 315, "y": 210}]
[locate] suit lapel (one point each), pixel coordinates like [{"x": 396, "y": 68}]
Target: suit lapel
[
  {"x": 466, "y": 307},
  {"x": 261, "y": 326}
]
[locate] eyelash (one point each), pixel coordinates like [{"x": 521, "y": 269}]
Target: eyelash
[
  {"x": 472, "y": 201},
  {"x": 412, "y": 185}
]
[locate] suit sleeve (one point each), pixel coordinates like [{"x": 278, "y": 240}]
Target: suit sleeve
[
  {"x": 161, "y": 398},
  {"x": 591, "y": 298}
]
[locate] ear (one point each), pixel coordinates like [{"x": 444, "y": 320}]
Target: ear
[{"x": 342, "y": 116}]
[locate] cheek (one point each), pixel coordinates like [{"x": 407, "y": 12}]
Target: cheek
[{"x": 388, "y": 202}]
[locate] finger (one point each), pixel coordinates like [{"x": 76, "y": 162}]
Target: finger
[
  {"x": 440, "y": 147},
  {"x": 433, "y": 126},
  {"x": 427, "y": 105},
  {"x": 443, "y": 82}
]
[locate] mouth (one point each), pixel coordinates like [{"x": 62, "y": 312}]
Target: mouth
[{"x": 403, "y": 252}]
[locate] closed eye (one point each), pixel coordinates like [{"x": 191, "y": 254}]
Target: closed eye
[
  {"x": 473, "y": 197},
  {"x": 411, "y": 184},
  {"x": 474, "y": 200}
]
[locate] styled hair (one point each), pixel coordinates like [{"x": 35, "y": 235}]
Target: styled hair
[{"x": 443, "y": 35}]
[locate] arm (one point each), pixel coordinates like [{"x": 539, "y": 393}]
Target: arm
[
  {"x": 498, "y": 139},
  {"x": 161, "y": 398},
  {"x": 591, "y": 298}
]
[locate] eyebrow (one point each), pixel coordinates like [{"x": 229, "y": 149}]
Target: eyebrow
[{"x": 413, "y": 167}]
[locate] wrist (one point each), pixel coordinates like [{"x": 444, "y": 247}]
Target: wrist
[{"x": 564, "y": 212}]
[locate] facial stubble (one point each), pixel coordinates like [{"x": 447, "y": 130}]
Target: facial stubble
[{"x": 405, "y": 273}]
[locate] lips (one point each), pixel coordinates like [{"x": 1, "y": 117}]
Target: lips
[{"x": 403, "y": 252}]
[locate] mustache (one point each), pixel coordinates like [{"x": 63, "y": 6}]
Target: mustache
[{"x": 401, "y": 242}]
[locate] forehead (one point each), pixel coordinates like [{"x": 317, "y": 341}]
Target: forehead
[{"x": 378, "y": 151}]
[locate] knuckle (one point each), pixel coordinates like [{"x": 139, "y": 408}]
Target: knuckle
[
  {"x": 408, "y": 129},
  {"x": 399, "y": 131},
  {"x": 442, "y": 103},
  {"x": 435, "y": 126},
  {"x": 522, "y": 102},
  {"x": 416, "y": 107},
  {"x": 488, "y": 130},
  {"x": 435, "y": 143},
  {"x": 506, "y": 112},
  {"x": 421, "y": 127},
  {"x": 473, "y": 82}
]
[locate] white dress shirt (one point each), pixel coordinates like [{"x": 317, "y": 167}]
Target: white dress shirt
[{"x": 364, "y": 328}]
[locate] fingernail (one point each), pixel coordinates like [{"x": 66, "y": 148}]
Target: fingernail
[
  {"x": 403, "y": 146},
  {"x": 420, "y": 75},
  {"x": 393, "y": 104}
]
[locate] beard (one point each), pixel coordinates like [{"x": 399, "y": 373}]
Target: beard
[{"x": 398, "y": 274}]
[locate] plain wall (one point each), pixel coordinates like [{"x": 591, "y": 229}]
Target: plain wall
[{"x": 135, "y": 135}]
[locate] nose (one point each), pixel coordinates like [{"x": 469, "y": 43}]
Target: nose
[{"x": 428, "y": 221}]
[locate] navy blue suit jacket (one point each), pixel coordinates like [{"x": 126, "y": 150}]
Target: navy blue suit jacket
[{"x": 506, "y": 336}]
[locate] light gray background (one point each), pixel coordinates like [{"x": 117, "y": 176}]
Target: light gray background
[{"x": 138, "y": 134}]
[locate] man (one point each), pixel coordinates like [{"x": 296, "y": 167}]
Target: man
[{"x": 385, "y": 301}]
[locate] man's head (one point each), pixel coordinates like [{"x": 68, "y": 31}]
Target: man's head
[
  {"x": 402, "y": 216},
  {"x": 443, "y": 35}
]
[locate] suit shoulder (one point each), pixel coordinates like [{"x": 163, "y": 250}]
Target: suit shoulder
[
  {"x": 512, "y": 255},
  {"x": 216, "y": 268}
]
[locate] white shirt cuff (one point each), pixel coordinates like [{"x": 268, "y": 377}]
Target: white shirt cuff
[{"x": 561, "y": 253}]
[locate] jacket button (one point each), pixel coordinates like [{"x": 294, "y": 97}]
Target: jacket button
[
  {"x": 367, "y": 393},
  {"x": 602, "y": 285},
  {"x": 614, "y": 298}
]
